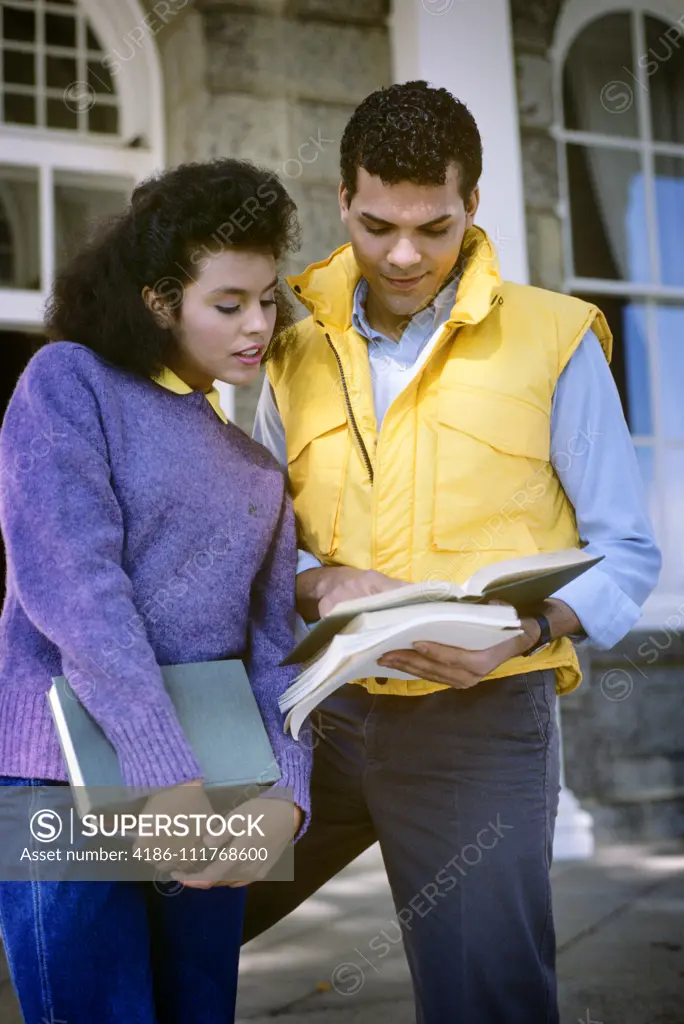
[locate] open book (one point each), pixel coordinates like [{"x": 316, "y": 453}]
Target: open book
[
  {"x": 354, "y": 651},
  {"x": 523, "y": 582}
]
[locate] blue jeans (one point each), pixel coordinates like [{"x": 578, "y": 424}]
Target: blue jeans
[
  {"x": 109, "y": 952},
  {"x": 460, "y": 787}
]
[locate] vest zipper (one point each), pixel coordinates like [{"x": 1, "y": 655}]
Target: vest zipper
[{"x": 352, "y": 417}]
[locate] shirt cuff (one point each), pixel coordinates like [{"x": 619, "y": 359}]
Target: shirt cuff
[
  {"x": 607, "y": 614},
  {"x": 305, "y": 560}
]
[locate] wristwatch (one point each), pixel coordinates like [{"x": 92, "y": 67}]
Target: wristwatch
[{"x": 544, "y": 636}]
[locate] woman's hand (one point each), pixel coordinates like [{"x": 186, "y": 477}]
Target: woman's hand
[
  {"x": 298, "y": 819},
  {"x": 284, "y": 822},
  {"x": 186, "y": 798}
]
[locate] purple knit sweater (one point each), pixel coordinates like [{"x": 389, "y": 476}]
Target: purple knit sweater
[{"x": 140, "y": 531}]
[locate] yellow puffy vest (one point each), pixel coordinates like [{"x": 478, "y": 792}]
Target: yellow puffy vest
[{"x": 460, "y": 467}]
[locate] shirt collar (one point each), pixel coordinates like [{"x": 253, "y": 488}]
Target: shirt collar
[
  {"x": 429, "y": 316},
  {"x": 172, "y": 382}
]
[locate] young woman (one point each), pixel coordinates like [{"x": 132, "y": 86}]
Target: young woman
[{"x": 142, "y": 529}]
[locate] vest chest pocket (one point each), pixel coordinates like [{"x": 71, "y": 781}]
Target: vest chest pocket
[
  {"x": 317, "y": 453},
  {"x": 492, "y": 462}
]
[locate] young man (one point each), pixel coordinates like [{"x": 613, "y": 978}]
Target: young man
[{"x": 434, "y": 419}]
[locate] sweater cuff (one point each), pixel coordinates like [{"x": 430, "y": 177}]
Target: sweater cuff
[
  {"x": 295, "y": 768},
  {"x": 153, "y": 750}
]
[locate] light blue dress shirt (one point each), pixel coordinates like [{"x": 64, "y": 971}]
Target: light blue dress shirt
[{"x": 591, "y": 451}]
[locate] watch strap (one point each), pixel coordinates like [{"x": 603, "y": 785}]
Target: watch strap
[{"x": 544, "y": 635}]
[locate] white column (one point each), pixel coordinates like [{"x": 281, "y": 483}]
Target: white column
[
  {"x": 467, "y": 47},
  {"x": 574, "y": 836}
]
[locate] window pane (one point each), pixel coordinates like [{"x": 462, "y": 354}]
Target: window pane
[
  {"x": 81, "y": 200},
  {"x": 60, "y": 30},
  {"x": 99, "y": 78},
  {"x": 104, "y": 119},
  {"x": 664, "y": 65},
  {"x": 18, "y": 24},
  {"x": 6, "y": 248},
  {"x": 92, "y": 42},
  {"x": 669, "y": 189},
  {"x": 672, "y": 518},
  {"x": 598, "y": 90},
  {"x": 19, "y": 67},
  {"x": 60, "y": 72},
  {"x": 630, "y": 363},
  {"x": 19, "y": 109},
  {"x": 59, "y": 115},
  {"x": 670, "y": 321},
  {"x": 607, "y": 213},
  {"x": 20, "y": 246}
]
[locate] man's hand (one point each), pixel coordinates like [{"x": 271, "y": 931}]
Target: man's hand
[
  {"x": 457, "y": 667},
  {"x": 319, "y": 590}
]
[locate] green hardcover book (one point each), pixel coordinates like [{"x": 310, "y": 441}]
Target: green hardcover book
[{"x": 218, "y": 714}]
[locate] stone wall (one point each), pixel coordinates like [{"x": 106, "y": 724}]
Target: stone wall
[
  {"x": 623, "y": 729},
  {"x": 275, "y": 81},
  {"x": 533, "y": 25}
]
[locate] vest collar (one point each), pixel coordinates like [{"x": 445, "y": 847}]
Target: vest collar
[{"x": 327, "y": 288}]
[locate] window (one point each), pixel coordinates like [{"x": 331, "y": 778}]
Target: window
[
  {"x": 6, "y": 248},
  {"x": 80, "y": 125},
  {"x": 620, "y": 128},
  {"x": 20, "y": 238},
  {"x": 53, "y": 75}
]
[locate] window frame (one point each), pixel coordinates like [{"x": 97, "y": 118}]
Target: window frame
[{"x": 577, "y": 16}]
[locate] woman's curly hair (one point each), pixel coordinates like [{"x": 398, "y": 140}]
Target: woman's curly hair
[
  {"x": 173, "y": 223},
  {"x": 411, "y": 132}
]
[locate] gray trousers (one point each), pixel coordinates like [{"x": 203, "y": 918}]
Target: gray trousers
[{"x": 460, "y": 788}]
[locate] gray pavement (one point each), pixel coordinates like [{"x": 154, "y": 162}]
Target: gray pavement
[
  {"x": 620, "y": 925},
  {"x": 620, "y": 930}
]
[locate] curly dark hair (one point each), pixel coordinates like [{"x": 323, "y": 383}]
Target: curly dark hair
[
  {"x": 411, "y": 132},
  {"x": 173, "y": 222}
]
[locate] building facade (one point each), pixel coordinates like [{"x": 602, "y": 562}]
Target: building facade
[{"x": 581, "y": 108}]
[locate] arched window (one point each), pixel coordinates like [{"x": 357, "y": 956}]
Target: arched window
[
  {"x": 52, "y": 69},
  {"x": 80, "y": 124},
  {"x": 620, "y": 130}
]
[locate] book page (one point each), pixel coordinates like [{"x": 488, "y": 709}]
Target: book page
[
  {"x": 343, "y": 664},
  {"x": 449, "y": 611},
  {"x": 405, "y": 593},
  {"x": 365, "y": 664},
  {"x": 511, "y": 569}
]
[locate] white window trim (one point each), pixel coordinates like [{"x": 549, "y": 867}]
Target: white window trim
[
  {"x": 577, "y": 14},
  {"x": 575, "y": 17},
  {"x": 50, "y": 151}
]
